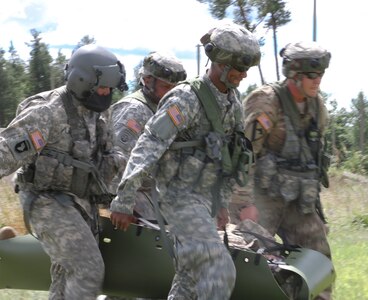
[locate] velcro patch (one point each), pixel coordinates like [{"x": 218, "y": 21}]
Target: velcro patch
[
  {"x": 175, "y": 115},
  {"x": 22, "y": 146},
  {"x": 37, "y": 140},
  {"x": 265, "y": 121},
  {"x": 134, "y": 126}
]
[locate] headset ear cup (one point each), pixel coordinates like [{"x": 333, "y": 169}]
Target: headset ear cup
[
  {"x": 210, "y": 51},
  {"x": 208, "y": 47}
]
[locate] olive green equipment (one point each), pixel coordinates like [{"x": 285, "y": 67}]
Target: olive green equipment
[
  {"x": 137, "y": 265},
  {"x": 233, "y": 154},
  {"x": 310, "y": 140}
]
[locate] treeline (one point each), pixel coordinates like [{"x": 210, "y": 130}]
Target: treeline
[
  {"x": 20, "y": 79},
  {"x": 346, "y": 135}
]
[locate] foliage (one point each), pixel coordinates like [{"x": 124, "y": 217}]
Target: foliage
[
  {"x": 39, "y": 64},
  {"x": 356, "y": 163}
]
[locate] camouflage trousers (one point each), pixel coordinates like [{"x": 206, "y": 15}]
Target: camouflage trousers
[
  {"x": 77, "y": 267},
  {"x": 204, "y": 268},
  {"x": 293, "y": 227}
]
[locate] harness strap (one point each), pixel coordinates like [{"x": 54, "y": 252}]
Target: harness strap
[
  {"x": 292, "y": 112},
  {"x": 186, "y": 144}
]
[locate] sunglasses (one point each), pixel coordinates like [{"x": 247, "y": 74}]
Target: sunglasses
[{"x": 313, "y": 75}]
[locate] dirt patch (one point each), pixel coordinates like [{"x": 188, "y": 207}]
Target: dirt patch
[{"x": 11, "y": 213}]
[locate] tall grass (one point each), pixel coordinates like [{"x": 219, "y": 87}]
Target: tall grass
[{"x": 346, "y": 207}]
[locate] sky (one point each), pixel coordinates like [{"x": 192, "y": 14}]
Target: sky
[{"x": 133, "y": 28}]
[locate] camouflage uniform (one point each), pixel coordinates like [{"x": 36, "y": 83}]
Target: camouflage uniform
[
  {"x": 40, "y": 144},
  {"x": 131, "y": 114},
  {"x": 186, "y": 176},
  {"x": 286, "y": 184},
  {"x": 179, "y": 202}
]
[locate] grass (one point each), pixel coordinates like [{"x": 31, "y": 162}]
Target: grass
[{"x": 346, "y": 207}]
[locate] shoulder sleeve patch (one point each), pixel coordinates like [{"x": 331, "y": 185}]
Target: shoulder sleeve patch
[
  {"x": 175, "y": 115},
  {"x": 265, "y": 121},
  {"x": 134, "y": 126},
  {"x": 37, "y": 140}
]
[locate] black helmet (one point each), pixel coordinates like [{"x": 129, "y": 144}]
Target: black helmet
[{"x": 92, "y": 66}]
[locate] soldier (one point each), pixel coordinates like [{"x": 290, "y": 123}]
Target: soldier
[
  {"x": 286, "y": 122},
  {"x": 187, "y": 142},
  {"x": 159, "y": 73},
  {"x": 62, "y": 142}
]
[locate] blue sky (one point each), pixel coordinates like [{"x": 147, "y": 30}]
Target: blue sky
[{"x": 132, "y": 28}]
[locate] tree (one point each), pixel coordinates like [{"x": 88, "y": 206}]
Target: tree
[
  {"x": 4, "y": 91},
  {"x": 39, "y": 64},
  {"x": 360, "y": 107},
  {"x": 274, "y": 15},
  {"x": 86, "y": 40},
  {"x": 57, "y": 71}
]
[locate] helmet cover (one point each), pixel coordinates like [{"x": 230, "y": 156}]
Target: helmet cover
[
  {"x": 233, "y": 45},
  {"x": 164, "y": 67},
  {"x": 304, "y": 57}
]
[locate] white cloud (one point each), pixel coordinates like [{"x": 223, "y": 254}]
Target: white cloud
[{"x": 177, "y": 25}]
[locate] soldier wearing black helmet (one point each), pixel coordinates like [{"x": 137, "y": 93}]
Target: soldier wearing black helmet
[
  {"x": 286, "y": 122},
  {"x": 186, "y": 145},
  {"x": 60, "y": 142}
]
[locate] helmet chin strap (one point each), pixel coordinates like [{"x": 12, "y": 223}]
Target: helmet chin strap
[
  {"x": 224, "y": 80},
  {"x": 298, "y": 83}
]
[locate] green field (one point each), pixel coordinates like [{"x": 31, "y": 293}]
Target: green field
[{"x": 346, "y": 207}]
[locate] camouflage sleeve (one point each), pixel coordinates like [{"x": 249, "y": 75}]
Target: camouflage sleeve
[
  {"x": 260, "y": 115},
  {"x": 25, "y": 136},
  {"x": 175, "y": 115},
  {"x": 129, "y": 118}
]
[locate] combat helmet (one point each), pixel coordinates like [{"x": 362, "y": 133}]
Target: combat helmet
[
  {"x": 302, "y": 57},
  {"x": 232, "y": 45},
  {"x": 91, "y": 66},
  {"x": 164, "y": 67}
]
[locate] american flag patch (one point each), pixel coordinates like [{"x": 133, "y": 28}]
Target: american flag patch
[
  {"x": 37, "y": 140},
  {"x": 265, "y": 121},
  {"x": 133, "y": 125},
  {"x": 175, "y": 115}
]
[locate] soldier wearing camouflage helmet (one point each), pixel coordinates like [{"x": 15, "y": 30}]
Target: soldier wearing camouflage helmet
[
  {"x": 286, "y": 122},
  {"x": 61, "y": 143},
  {"x": 182, "y": 146},
  {"x": 159, "y": 73}
]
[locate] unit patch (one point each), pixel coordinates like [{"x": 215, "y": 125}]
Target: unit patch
[
  {"x": 175, "y": 115},
  {"x": 22, "y": 146}
]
